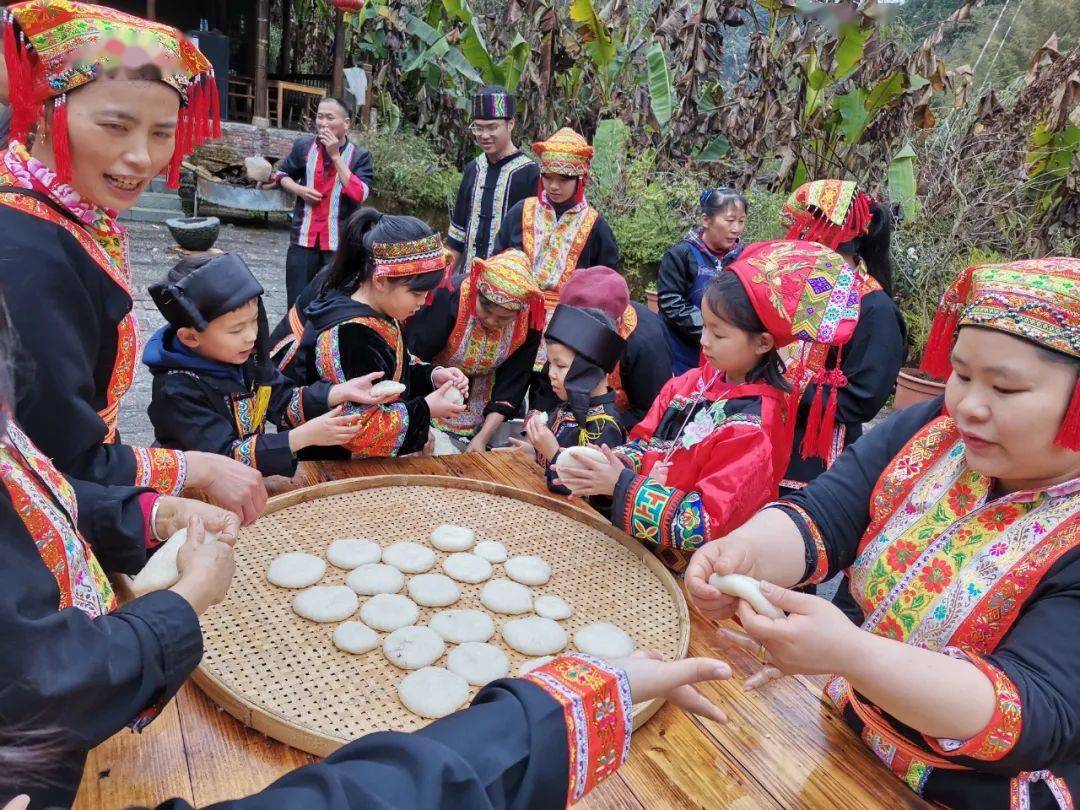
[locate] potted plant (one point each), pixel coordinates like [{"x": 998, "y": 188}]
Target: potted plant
[{"x": 651, "y": 298}]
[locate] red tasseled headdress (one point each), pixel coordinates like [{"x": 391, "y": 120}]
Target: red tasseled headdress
[
  {"x": 506, "y": 279},
  {"x": 831, "y": 212},
  {"x": 1037, "y": 300},
  {"x": 52, "y": 47}
]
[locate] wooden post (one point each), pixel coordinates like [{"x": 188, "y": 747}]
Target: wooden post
[
  {"x": 337, "y": 80},
  {"x": 151, "y": 10},
  {"x": 284, "y": 66},
  {"x": 262, "y": 48}
]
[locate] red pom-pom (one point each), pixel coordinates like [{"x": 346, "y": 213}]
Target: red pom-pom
[{"x": 1068, "y": 435}]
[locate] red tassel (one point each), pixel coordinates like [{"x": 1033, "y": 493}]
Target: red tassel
[
  {"x": 215, "y": 111},
  {"x": 1069, "y": 434},
  {"x": 808, "y": 448},
  {"x": 537, "y": 313},
  {"x": 20, "y": 61},
  {"x": 61, "y": 142},
  {"x": 828, "y": 425}
]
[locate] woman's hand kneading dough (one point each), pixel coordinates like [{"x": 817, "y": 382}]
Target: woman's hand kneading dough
[
  {"x": 174, "y": 514},
  {"x": 206, "y": 568}
]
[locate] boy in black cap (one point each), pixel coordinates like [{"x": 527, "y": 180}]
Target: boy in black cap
[
  {"x": 214, "y": 387},
  {"x": 583, "y": 349},
  {"x": 492, "y": 183}
]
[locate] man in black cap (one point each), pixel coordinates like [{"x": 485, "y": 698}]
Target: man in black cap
[{"x": 492, "y": 183}]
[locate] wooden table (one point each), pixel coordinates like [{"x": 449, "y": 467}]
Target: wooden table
[
  {"x": 291, "y": 87},
  {"x": 785, "y": 747}
]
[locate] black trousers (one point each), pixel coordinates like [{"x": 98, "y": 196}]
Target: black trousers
[{"x": 301, "y": 266}]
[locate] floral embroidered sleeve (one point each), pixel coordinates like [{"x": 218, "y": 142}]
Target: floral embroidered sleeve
[
  {"x": 160, "y": 469},
  {"x": 353, "y": 350},
  {"x": 597, "y": 708},
  {"x": 735, "y": 480}
]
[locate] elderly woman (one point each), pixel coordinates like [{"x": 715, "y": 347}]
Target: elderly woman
[
  {"x": 959, "y": 524},
  {"x": 111, "y": 101}
]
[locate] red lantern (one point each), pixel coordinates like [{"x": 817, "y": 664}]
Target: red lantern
[{"x": 350, "y": 6}]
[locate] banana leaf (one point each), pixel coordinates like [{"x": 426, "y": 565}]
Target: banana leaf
[
  {"x": 902, "y": 187},
  {"x": 594, "y": 33},
  {"x": 661, "y": 90},
  {"x": 609, "y": 145}
]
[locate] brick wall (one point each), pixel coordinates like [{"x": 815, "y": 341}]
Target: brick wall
[{"x": 239, "y": 141}]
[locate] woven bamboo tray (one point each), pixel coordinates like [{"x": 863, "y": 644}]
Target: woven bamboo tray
[{"x": 282, "y": 675}]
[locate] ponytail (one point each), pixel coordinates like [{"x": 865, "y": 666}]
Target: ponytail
[
  {"x": 873, "y": 248},
  {"x": 352, "y": 263}
]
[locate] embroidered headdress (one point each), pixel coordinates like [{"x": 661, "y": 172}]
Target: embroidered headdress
[
  {"x": 506, "y": 279},
  {"x": 52, "y": 47},
  {"x": 412, "y": 258},
  {"x": 805, "y": 292},
  {"x": 565, "y": 152},
  {"x": 1036, "y": 299},
  {"x": 828, "y": 211},
  {"x": 493, "y": 103}
]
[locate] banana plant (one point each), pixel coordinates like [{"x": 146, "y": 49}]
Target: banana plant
[
  {"x": 661, "y": 87},
  {"x": 507, "y": 71}
]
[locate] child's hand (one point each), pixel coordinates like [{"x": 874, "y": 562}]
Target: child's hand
[
  {"x": 651, "y": 677},
  {"x": 358, "y": 390},
  {"x": 595, "y": 477},
  {"x": 659, "y": 472},
  {"x": 439, "y": 405},
  {"x": 441, "y": 376},
  {"x": 541, "y": 438},
  {"x": 516, "y": 446},
  {"x": 329, "y": 430}
]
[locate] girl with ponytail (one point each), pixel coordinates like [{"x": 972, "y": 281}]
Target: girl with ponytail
[
  {"x": 386, "y": 268},
  {"x": 837, "y": 214}
]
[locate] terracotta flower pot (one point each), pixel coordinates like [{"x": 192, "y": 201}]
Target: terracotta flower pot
[
  {"x": 651, "y": 300},
  {"x": 912, "y": 388}
]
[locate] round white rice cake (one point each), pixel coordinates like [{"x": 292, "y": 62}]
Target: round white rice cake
[
  {"x": 552, "y": 607},
  {"x": 534, "y": 635},
  {"x": 433, "y": 692},
  {"x": 462, "y": 626},
  {"x": 326, "y": 603},
  {"x": 453, "y": 538},
  {"x": 466, "y": 567},
  {"x": 434, "y": 590},
  {"x": 504, "y": 596},
  {"x": 478, "y": 663},
  {"x": 387, "y": 387},
  {"x": 491, "y": 550},
  {"x": 375, "y": 578},
  {"x": 528, "y": 570},
  {"x": 604, "y": 641},
  {"x": 413, "y": 647},
  {"x": 570, "y": 458},
  {"x": 389, "y": 612},
  {"x": 455, "y": 397},
  {"x": 355, "y": 637},
  {"x": 350, "y": 553},
  {"x": 296, "y": 569},
  {"x": 525, "y": 667},
  {"x": 409, "y": 558}
]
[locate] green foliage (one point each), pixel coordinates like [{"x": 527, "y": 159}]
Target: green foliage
[
  {"x": 610, "y": 143},
  {"x": 594, "y": 33},
  {"x": 661, "y": 90},
  {"x": 409, "y": 172},
  {"x": 902, "y": 187}
]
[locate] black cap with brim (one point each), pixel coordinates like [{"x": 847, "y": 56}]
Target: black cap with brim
[{"x": 223, "y": 284}]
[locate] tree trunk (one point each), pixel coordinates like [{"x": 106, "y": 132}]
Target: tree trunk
[
  {"x": 262, "y": 48},
  {"x": 337, "y": 80}
]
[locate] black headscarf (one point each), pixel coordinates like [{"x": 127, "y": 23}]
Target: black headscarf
[
  {"x": 597, "y": 350},
  {"x": 223, "y": 284}
]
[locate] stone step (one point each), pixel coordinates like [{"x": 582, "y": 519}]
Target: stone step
[
  {"x": 150, "y": 214},
  {"x": 159, "y": 185},
  {"x": 163, "y": 202}
]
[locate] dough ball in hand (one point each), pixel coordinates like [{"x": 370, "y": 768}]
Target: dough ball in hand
[
  {"x": 604, "y": 641},
  {"x": 478, "y": 663},
  {"x": 455, "y": 397},
  {"x": 572, "y": 458},
  {"x": 326, "y": 603},
  {"x": 491, "y": 550},
  {"x": 433, "y": 692},
  {"x": 504, "y": 596},
  {"x": 413, "y": 647},
  {"x": 534, "y": 636},
  {"x": 389, "y": 611},
  {"x": 387, "y": 388},
  {"x": 350, "y": 553},
  {"x": 552, "y": 607},
  {"x": 161, "y": 570},
  {"x": 375, "y": 578},
  {"x": 453, "y": 538},
  {"x": 296, "y": 570},
  {"x": 409, "y": 558},
  {"x": 434, "y": 590},
  {"x": 749, "y": 590},
  {"x": 356, "y": 638},
  {"x": 462, "y": 626},
  {"x": 466, "y": 567},
  {"x": 528, "y": 570}
]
